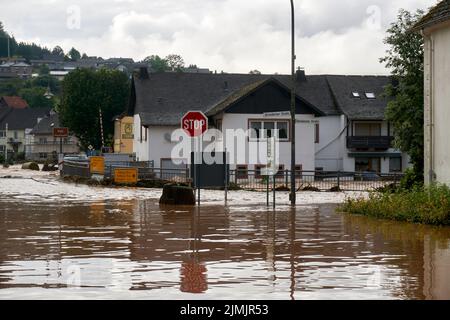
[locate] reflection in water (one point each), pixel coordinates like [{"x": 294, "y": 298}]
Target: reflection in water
[{"x": 138, "y": 249}]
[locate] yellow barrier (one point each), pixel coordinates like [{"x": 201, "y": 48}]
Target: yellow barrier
[{"x": 126, "y": 175}]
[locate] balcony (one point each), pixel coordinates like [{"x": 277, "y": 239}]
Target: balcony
[{"x": 369, "y": 142}]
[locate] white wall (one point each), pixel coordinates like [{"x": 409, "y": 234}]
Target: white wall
[
  {"x": 140, "y": 148},
  {"x": 304, "y": 138},
  {"x": 329, "y": 151},
  {"x": 437, "y": 105},
  {"x": 158, "y": 147}
]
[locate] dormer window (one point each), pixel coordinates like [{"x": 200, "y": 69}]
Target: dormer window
[
  {"x": 355, "y": 94},
  {"x": 370, "y": 95}
]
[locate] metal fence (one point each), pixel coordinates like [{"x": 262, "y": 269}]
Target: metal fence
[
  {"x": 314, "y": 180},
  {"x": 251, "y": 179}
]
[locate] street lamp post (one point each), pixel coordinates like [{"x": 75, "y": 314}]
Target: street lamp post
[{"x": 292, "y": 194}]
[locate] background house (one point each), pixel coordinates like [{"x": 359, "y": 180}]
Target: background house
[
  {"x": 43, "y": 146},
  {"x": 435, "y": 27},
  {"x": 13, "y": 102},
  {"x": 341, "y": 123},
  {"x": 15, "y": 127},
  {"x": 15, "y": 69},
  {"x": 361, "y": 139}
]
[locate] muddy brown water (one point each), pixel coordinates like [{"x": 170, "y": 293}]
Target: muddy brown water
[{"x": 139, "y": 250}]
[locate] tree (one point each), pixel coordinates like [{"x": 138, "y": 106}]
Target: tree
[
  {"x": 35, "y": 97},
  {"x": 175, "y": 62},
  {"x": 255, "y": 72},
  {"x": 44, "y": 70},
  {"x": 405, "y": 110},
  {"x": 84, "y": 56},
  {"x": 58, "y": 51},
  {"x": 74, "y": 55},
  {"x": 85, "y": 92},
  {"x": 157, "y": 63}
]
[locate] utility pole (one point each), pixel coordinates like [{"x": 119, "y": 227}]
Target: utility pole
[
  {"x": 101, "y": 127},
  {"x": 292, "y": 194},
  {"x": 6, "y": 145}
]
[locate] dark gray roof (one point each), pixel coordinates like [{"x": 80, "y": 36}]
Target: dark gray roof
[
  {"x": 21, "y": 119},
  {"x": 360, "y": 108},
  {"x": 45, "y": 125},
  {"x": 163, "y": 98},
  {"x": 438, "y": 14},
  {"x": 166, "y": 96}
]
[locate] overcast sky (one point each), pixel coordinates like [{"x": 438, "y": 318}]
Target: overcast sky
[{"x": 333, "y": 37}]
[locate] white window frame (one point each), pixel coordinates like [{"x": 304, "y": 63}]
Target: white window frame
[{"x": 264, "y": 132}]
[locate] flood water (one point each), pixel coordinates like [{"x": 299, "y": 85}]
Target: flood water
[{"x": 139, "y": 250}]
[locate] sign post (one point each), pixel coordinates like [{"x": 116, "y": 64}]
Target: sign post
[
  {"x": 195, "y": 124},
  {"x": 60, "y": 133}
]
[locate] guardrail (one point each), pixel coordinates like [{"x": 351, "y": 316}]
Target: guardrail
[
  {"x": 252, "y": 179},
  {"x": 315, "y": 180}
]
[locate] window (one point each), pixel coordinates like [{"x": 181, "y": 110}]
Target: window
[
  {"x": 317, "y": 133},
  {"x": 367, "y": 164},
  {"x": 367, "y": 129},
  {"x": 370, "y": 95},
  {"x": 2, "y": 148},
  {"x": 241, "y": 172},
  {"x": 395, "y": 164},
  {"x": 256, "y": 130},
  {"x": 16, "y": 135},
  {"x": 355, "y": 94},
  {"x": 43, "y": 140},
  {"x": 283, "y": 130},
  {"x": 143, "y": 134},
  {"x": 42, "y": 155},
  {"x": 268, "y": 129},
  {"x": 2, "y": 134}
]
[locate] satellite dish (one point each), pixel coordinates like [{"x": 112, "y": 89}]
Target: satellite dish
[{"x": 168, "y": 137}]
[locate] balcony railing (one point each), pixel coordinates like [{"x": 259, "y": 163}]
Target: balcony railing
[
  {"x": 53, "y": 143},
  {"x": 367, "y": 142}
]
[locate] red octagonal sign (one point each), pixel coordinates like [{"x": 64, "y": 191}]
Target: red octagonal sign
[{"x": 194, "y": 123}]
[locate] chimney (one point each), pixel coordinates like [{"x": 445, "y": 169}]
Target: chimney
[
  {"x": 300, "y": 75},
  {"x": 143, "y": 73}
]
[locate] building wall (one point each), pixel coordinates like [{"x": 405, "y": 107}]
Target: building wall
[
  {"x": 140, "y": 147},
  {"x": 45, "y": 144},
  {"x": 123, "y": 140},
  {"x": 304, "y": 139},
  {"x": 17, "y": 135},
  {"x": 437, "y": 110},
  {"x": 159, "y": 146},
  {"x": 328, "y": 152}
]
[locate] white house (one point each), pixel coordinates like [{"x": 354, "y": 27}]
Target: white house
[
  {"x": 435, "y": 27},
  {"x": 340, "y": 120}
]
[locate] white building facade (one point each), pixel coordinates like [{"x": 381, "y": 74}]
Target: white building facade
[
  {"x": 435, "y": 27},
  {"x": 336, "y": 129}
]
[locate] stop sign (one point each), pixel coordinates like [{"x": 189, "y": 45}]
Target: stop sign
[{"x": 194, "y": 123}]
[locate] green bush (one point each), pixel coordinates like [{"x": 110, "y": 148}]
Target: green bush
[
  {"x": 430, "y": 205},
  {"x": 411, "y": 180}
]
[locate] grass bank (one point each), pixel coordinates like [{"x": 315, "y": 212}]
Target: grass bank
[{"x": 430, "y": 205}]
